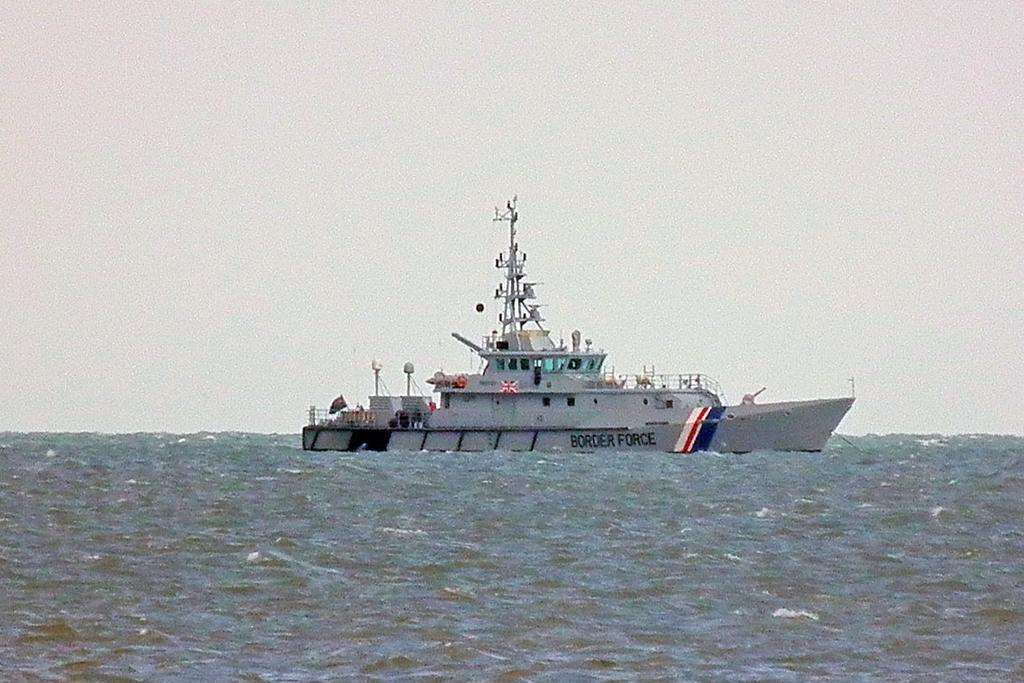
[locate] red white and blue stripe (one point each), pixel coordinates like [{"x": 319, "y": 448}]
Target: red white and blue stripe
[{"x": 699, "y": 429}]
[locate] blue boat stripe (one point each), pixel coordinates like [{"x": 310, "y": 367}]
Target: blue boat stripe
[{"x": 707, "y": 429}]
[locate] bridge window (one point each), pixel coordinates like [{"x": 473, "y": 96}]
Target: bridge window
[
  {"x": 524, "y": 363},
  {"x": 575, "y": 363},
  {"x": 554, "y": 365},
  {"x": 501, "y": 364}
]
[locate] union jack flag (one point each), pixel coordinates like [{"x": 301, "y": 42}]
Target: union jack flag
[{"x": 510, "y": 387}]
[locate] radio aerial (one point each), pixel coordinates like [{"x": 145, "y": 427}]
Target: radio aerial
[
  {"x": 376, "y": 367},
  {"x": 408, "y": 369}
]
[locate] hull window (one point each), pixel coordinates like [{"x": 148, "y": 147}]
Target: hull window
[
  {"x": 570, "y": 401},
  {"x": 546, "y": 400}
]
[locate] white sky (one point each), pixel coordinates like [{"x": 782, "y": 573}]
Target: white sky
[{"x": 213, "y": 217}]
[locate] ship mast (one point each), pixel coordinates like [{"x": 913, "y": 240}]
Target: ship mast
[{"x": 514, "y": 291}]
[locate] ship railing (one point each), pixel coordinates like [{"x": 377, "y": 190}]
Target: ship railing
[
  {"x": 692, "y": 381},
  {"x": 354, "y": 417}
]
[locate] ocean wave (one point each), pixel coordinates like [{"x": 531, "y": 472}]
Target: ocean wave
[
  {"x": 214, "y": 559},
  {"x": 786, "y": 613}
]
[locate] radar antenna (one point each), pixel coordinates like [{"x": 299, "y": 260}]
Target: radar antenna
[{"x": 515, "y": 292}]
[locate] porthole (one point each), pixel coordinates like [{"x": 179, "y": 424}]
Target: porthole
[
  {"x": 645, "y": 401},
  {"x": 730, "y": 416}
]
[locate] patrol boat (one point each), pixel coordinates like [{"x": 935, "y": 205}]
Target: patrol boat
[{"x": 532, "y": 394}]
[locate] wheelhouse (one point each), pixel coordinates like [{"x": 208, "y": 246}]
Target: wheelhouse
[{"x": 549, "y": 363}]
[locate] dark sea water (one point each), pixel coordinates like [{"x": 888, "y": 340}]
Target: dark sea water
[{"x": 235, "y": 556}]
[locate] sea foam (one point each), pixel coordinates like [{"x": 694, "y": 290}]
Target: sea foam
[{"x": 786, "y": 613}]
